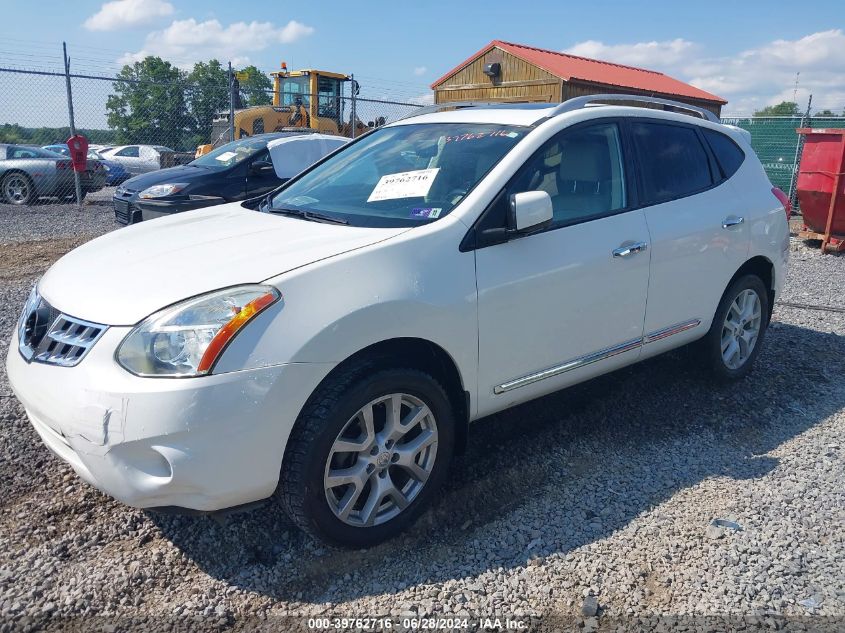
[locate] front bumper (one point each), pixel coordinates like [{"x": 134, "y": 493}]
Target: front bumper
[
  {"x": 129, "y": 208},
  {"x": 200, "y": 443}
]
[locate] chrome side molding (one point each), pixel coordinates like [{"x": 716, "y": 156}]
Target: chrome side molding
[
  {"x": 658, "y": 335},
  {"x": 595, "y": 357}
]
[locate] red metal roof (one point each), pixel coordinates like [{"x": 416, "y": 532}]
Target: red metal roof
[{"x": 593, "y": 70}]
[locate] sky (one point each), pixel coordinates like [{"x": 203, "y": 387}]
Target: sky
[{"x": 748, "y": 52}]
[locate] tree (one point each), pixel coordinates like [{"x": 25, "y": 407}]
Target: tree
[
  {"x": 209, "y": 95},
  {"x": 256, "y": 89},
  {"x": 784, "y": 108},
  {"x": 826, "y": 113},
  {"x": 149, "y": 104}
]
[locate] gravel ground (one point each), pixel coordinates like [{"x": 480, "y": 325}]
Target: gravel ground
[{"x": 590, "y": 509}]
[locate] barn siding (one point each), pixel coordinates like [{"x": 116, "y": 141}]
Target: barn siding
[{"x": 518, "y": 81}]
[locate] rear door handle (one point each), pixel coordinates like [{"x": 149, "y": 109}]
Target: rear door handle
[
  {"x": 732, "y": 220},
  {"x": 627, "y": 250}
]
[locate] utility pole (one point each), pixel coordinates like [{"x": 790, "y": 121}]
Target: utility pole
[
  {"x": 231, "y": 104},
  {"x": 354, "y": 114},
  {"x": 796, "y": 162},
  {"x": 76, "y": 182}
]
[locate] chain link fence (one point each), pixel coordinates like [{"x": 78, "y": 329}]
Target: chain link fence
[
  {"x": 778, "y": 145},
  {"x": 136, "y": 125}
]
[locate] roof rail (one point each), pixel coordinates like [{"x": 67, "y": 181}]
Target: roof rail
[
  {"x": 442, "y": 107},
  {"x": 589, "y": 101}
]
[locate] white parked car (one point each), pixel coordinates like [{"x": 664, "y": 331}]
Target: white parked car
[
  {"x": 137, "y": 159},
  {"x": 334, "y": 344}
]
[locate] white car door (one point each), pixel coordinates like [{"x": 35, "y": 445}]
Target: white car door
[
  {"x": 567, "y": 303},
  {"x": 698, "y": 231},
  {"x": 129, "y": 157}
]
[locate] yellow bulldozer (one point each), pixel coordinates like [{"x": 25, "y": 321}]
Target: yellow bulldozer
[{"x": 310, "y": 98}]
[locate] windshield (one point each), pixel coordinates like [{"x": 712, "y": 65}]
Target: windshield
[
  {"x": 402, "y": 175},
  {"x": 230, "y": 154},
  {"x": 24, "y": 151}
]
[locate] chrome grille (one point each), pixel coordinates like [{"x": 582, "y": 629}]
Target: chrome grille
[{"x": 47, "y": 336}]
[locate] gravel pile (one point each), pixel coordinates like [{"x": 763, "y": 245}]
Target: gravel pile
[{"x": 647, "y": 499}]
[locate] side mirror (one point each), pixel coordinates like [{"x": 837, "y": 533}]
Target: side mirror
[
  {"x": 530, "y": 210},
  {"x": 262, "y": 167}
]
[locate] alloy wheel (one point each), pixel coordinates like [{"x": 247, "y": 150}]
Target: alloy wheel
[
  {"x": 380, "y": 461},
  {"x": 16, "y": 189},
  {"x": 741, "y": 328}
]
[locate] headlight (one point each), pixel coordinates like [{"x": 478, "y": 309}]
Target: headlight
[
  {"x": 187, "y": 338},
  {"x": 161, "y": 191}
]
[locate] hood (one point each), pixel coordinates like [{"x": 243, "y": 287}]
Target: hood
[
  {"x": 126, "y": 275},
  {"x": 180, "y": 173}
]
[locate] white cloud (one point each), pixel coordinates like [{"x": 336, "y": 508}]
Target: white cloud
[
  {"x": 645, "y": 54},
  {"x": 423, "y": 99},
  {"x": 420, "y": 70},
  {"x": 121, "y": 14},
  {"x": 187, "y": 41},
  {"x": 750, "y": 79}
]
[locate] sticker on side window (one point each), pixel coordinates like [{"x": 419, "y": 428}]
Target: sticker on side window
[
  {"x": 405, "y": 184},
  {"x": 427, "y": 212},
  {"x": 226, "y": 156}
]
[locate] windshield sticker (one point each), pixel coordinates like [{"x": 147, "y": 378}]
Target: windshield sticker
[
  {"x": 427, "y": 212},
  {"x": 406, "y": 184},
  {"x": 226, "y": 156},
  {"x": 479, "y": 135}
]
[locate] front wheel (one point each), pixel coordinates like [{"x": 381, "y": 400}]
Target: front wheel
[
  {"x": 366, "y": 455},
  {"x": 738, "y": 329}
]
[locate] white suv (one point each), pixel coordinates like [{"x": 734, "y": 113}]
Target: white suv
[{"x": 333, "y": 344}]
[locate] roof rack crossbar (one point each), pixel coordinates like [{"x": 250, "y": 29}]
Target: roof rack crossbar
[{"x": 607, "y": 99}]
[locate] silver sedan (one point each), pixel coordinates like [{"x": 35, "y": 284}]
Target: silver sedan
[{"x": 28, "y": 173}]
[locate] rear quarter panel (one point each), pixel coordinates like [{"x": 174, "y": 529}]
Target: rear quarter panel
[{"x": 767, "y": 220}]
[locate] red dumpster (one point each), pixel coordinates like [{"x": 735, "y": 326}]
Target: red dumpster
[{"x": 821, "y": 187}]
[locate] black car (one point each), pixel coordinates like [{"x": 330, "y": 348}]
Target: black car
[{"x": 236, "y": 171}]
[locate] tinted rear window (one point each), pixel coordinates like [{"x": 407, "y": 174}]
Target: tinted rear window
[
  {"x": 673, "y": 161},
  {"x": 728, "y": 154}
]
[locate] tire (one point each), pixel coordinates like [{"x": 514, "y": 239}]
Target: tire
[
  {"x": 17, "y": 188},
  {"x": 334, "y": 415},
  {"x": 731, "y": 328}
]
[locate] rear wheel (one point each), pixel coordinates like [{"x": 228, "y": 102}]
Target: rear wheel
[
  {"x": 366, "y": 456},
  {"x": 17, "y": 188},
  {"x": 738, "y": 329}
]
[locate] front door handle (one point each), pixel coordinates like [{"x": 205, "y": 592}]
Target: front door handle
[
  {"x": 732, "y": 220},
  {"x": 627, "y": 250}
]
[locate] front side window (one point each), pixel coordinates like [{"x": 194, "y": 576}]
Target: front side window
[
  {"x": 128, "y": 152},
  {"x": 402, "y": 175},
  {"x": 582, "y": 172},
  {"x": 673, "y": 161}
]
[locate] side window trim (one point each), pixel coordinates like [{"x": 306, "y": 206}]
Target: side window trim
[
  {"x": 644, "y": 202},
  {"x": 471, "y": 239}
]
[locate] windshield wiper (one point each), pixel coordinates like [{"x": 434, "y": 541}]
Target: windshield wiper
[{"x": 313, "y": 216}]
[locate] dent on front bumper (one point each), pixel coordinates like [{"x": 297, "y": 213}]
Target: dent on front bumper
[{"x": 201, "y": 443}]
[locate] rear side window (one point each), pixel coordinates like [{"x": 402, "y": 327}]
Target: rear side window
[
  {"x": 673, "y": 162},
  {"x": 128, "y": 152},
  {"x": 728, "y": 154}
]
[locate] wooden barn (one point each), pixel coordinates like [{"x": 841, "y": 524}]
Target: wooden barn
[{"x": 503, "y": 71}]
